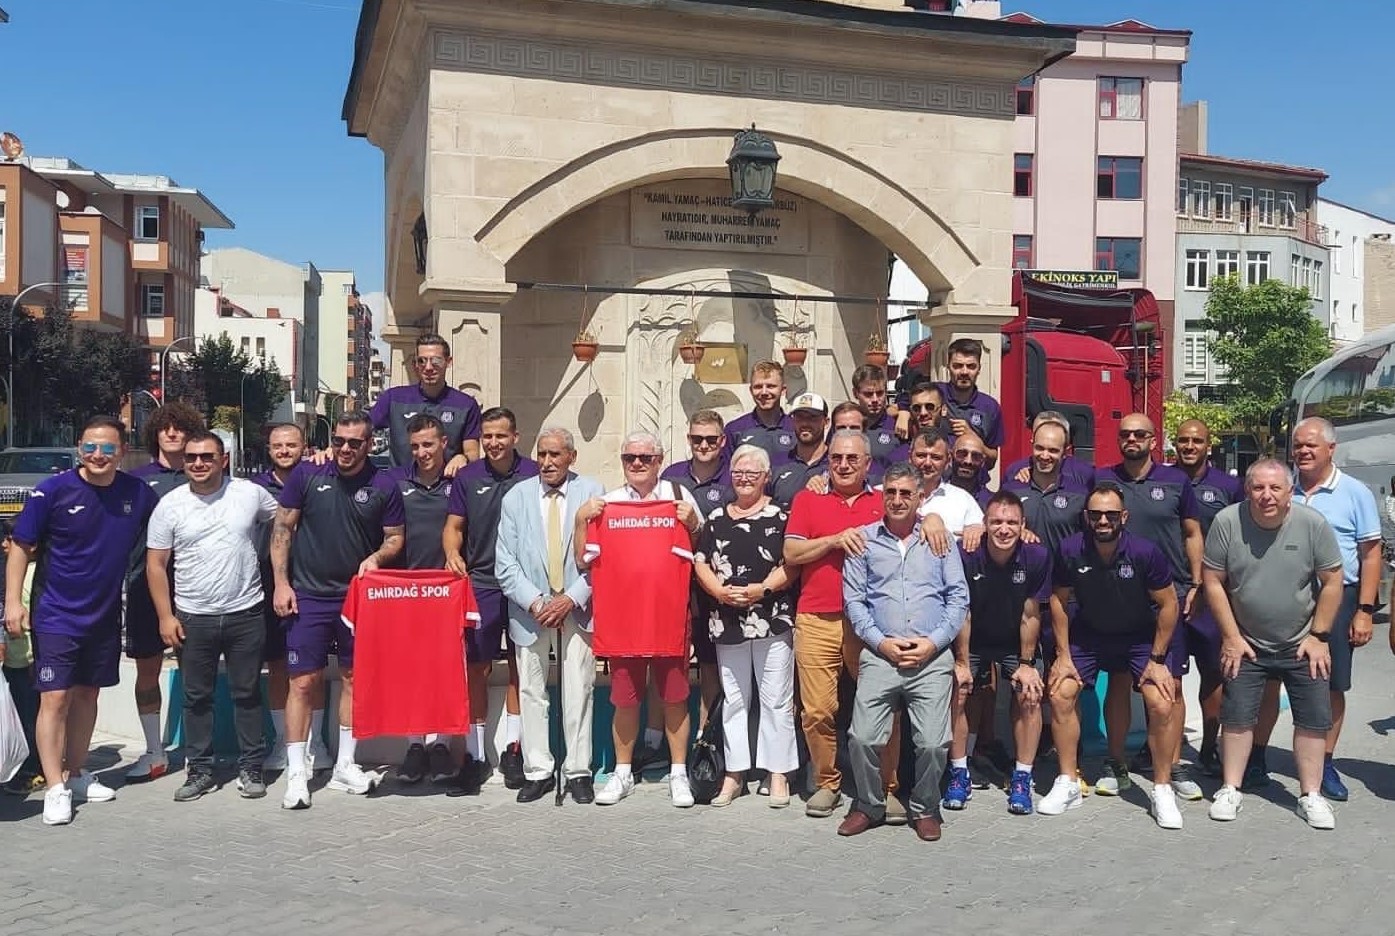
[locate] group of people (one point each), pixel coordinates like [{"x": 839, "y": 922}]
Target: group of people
[{"x": 796, "y": 554}]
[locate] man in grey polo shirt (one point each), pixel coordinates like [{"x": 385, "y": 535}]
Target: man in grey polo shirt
[{"x": 1273, "y": 578}]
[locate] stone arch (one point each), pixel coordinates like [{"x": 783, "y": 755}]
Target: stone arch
[{"x": 905, "y": 223}]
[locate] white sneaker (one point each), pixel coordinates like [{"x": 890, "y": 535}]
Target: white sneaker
[
  {"x": 317, "y": 753},
  {"x": 1065, "y": 794},
  {"x": 679, "y": 791},
  {"x": 617, "y": 788},
  {"x": 1314, "y": 809},
  {"x": 1165, "y": 809},
  {"x": 58, "y": 806},
  {"x": 87, "y": 788},
  {"x": 149, "y": 766},
  {"x": 276, "y": 757},
  {"x": 297, "y": 790},
  {"x": 1225, "y": 806},
  {"x": 351, "y": 778}
]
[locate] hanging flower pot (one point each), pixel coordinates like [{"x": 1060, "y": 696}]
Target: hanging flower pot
[
  {"x": 585, "y": 347},
  {"x": 690, "y": 349},
  {"x": 794, "y": 356},
  {"x": 876, "y": 352}
]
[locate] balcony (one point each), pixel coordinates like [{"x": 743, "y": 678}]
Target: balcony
[{"x": 1303, "y": 228}]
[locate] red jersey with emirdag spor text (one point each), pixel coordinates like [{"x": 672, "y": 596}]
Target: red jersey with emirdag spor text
[
  {"x": 641, "y": 566},
  {"x": 409, "y": 652}
]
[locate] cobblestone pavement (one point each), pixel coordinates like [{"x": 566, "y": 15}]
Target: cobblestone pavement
[{"x": 417, "y": 863}]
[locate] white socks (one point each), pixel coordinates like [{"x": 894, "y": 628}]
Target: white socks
[
  {"x": 622, "y": 771},
  {"x": 348, "y": 745},
  {"x": 959, "y": 763},
  {"x": 295, "y": 756},
  {"x": 150, "y": 727},
  {"x": 513, "y": 729},
  {"x": 1022, "y": 768},
  {"x": 474, "y": 741},
  {"x": 678, "y": 770}
]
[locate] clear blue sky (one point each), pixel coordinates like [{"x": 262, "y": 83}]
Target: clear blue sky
[{"x": 241, "y": 98}]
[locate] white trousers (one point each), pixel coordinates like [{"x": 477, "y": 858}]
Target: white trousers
[
  {"x": 578, "y": 671},
  {"x": 769, "y": 663}
]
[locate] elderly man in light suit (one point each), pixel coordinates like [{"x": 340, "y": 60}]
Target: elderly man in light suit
[{"x": 549, "y": 608}]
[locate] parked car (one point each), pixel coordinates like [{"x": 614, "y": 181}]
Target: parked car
[{"x": 22, "y": 468}]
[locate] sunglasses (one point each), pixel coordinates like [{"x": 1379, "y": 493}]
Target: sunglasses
[
  {"x": 1095, "y": 516},
  {"x": 1135, "y": 434},
  {"x": 898, "y": 494},
  {"x": 924, "y": 407},
  {"x": 631, "y": 458},
  {"x": 92, "y": 448},
  {"x": 704, "y": 439},
  {"x": 198, "y": 458},
  {"x": 431, "y": 362},
  {"x": 342, "y": 441}
]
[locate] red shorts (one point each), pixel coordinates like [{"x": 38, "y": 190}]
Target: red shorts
[{"x": 629, "y": 678}]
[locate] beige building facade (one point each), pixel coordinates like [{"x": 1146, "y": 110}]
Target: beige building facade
[{"x": 538, "y": 144}]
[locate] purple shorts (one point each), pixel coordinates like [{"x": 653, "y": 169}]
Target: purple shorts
[
  {"x": 484, "y": 643},
  {"x": 316, "y": 631},
  {"x": 1093, "y": 654},
  {"x": 62, "y": 661}
]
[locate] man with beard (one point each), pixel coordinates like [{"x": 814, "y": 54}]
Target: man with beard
[
  {"x": 969, "y": 457},
  {"x": 1117, "y": 579},
  {"x": 1213, "y": 491},
  {"x": 925, "y": 409},
  {"x": 766, "y": 425},
  {"x": 1161, "y": 508},
  {"x": 470, "y": 539},
  {"x": 457, "y": 411},
  {"x": 809, "y": 457},
  {"x": 165, "y": 433},
  {"x": 1052, "y": 500},
  {"x": 970, "y": 409}
]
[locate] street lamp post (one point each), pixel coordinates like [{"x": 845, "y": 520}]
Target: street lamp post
[
  {"x": 10, "y": 383},
  {"x": 164, "y": 356}
]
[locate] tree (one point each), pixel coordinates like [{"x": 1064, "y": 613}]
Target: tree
[
  {"x": 1179, "y": 407},
  {"x": 1266, "y": 337},
  {"x": 219, "y": 378}
]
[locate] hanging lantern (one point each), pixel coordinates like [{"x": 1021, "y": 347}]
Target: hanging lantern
[{"x": 752, "y": 164}]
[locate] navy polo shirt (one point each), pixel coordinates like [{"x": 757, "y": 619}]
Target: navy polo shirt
[
  {"x": 793, "y": 476},
  {"x": 341, "y": 523},
  {"x": 882, "y": 437},
  {"x": 1052, "y": 513},
  {"x": 1157, "y": 504},
  {"x": 777, "y": 440},
  {"x": 267, "y": 479},
  {"x": 997, "y": 594},
  {"x": 458, "y": 412},
  {"x": 1213, "y": 492},
  {"x": 478, "y": 495},
  {"x": 981, "y": 412},
  {"x": 1113, "y": 597},
  {"x": 712, "y": 494},
  {"x": 1080, "y": 473},
  {"x": 424, "y": 507}
]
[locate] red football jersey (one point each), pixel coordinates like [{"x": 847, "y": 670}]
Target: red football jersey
[
  {"x": 641, "y": 565},
  {"x": 409, "y": 652}
]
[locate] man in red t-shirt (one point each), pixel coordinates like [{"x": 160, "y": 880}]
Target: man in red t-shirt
[
  {"x": 822, "y": 529},
  {"x": 642, "y": 457}
]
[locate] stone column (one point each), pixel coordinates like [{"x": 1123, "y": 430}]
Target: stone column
[
  {"x": 472, "y": 323},
  {"x": 949, "y": 322}
]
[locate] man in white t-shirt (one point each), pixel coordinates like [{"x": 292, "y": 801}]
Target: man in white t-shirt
[
  {"x": 958, "y": 511},
  {"x": 211, "y": 526}
]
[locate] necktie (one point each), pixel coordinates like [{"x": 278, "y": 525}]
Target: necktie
[{"x": 555, "y": 563}]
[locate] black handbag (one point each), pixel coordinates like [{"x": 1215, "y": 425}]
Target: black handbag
[{"x": 707, "y": 764}]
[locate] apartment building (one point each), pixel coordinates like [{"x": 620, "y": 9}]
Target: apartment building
[
  {"x": 1362, "y": 269},
  {"x": 268, "y": 338},
  {"x": 125, "y": 247},
  {"x": 346, "y": 325}
]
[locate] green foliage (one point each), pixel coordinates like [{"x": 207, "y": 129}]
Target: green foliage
[
  {"x": 1266, "y": 337},
  {"x": 219, "y": 378},
  {"x": 1179, "y": 407}
]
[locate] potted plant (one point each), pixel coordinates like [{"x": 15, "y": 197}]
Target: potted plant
[
  {"x": 795, "y": 354},
  {"x": 585, "y": 347},
  {"x": 690, "y": 349},
  {"x": 876, "y": 352}
]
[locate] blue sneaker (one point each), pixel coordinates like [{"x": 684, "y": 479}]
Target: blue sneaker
[
  {"x": 1020, "y": 793},
  {"x": 960, "y": 790},
  {"x": 1332, "y": 786}
]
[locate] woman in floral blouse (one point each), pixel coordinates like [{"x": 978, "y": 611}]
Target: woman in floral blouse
[{"x": 738, "y": 564}]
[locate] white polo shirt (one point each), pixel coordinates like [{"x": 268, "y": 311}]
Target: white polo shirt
[{"x": 953, "y": 505}]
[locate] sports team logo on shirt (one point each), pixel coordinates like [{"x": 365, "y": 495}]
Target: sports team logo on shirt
[
  {"x": 976, "y": 419},
  {"x": 447, "y": 417},
  {"x": 126, "y": 507},
  {"x": 46, "y": 674},
  {"x": 292, "y": 657},
  {"x": 884, "y": 438},
  {"x": 1019, "y": 576},
  {"x": 784, "y": 439},
  {"x": 1125, "y": 571},
  {"x": 1157, "y": 493},
  {"x": 1208, "y": 496},
  {"x": 361, "y": 496},
  {"x": 714, "y": 495},
  {"x": 1061, "y": 501}
]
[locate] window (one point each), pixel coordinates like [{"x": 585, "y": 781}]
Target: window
[
  {"x": 261, "y": 347},
  {"x": 1201, "y": 199},
  {"x": 75, "y": 275},
  {"x": 1198, "y": 268},
  {"x": 1308, "y": 277},
  {"x": 1317, "y": 280},
  {"x": 1182, "y": 195},
  {"x": 1121, "y": 254},
  {"x": 1195, "y": 355},
  {"x": 1224, "y": 196},
  {"x": 1355, "y": 257},
  {"x": 1247, "y": 202},
  {"x": 1021, "y": 251},
  {"x": 1119, "y": 177},
  {"x": 152, "y": 301},
  {"x": 1022, "y": 174},
  {"x": 1227, "y": 263},
  {"x": 1266, "y": 207},
  {"x": 1027, "y": 96},
  {"x": 148, "y": 222},
  {"x": 1353, "y": 311},
  {"x": 1337, "y": 251},
  {"x": 1256, "y": 266},
  {"x": 1121, "y": 98},
  {"x": 1288, "y": 209},
  {"x": 246, "y": 345},
  {"x": 1294, "y": 276},
  {"x": 1336, "y": 311}
]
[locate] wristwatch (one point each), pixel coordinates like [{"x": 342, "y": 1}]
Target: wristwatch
[
  {"x": 1323, "y": 636},
  {"x": 768, "y": 592},
  {"x": 1159, "y": 658},
  {"x": 1369, "y": 608}
]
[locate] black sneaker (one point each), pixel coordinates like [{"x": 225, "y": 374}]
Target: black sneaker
[
  {"x": 195, "y": 786},
  {"x": 23, "y": 784},
  {"x": 250, "y": 784},
  {"x": 511, "y": 766},
  {"x": 414, "y": 765},
  {"x": 466, "y": 781},
  {"x": 442, "y": 767},
  {"x": 650, "y": 758}
]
